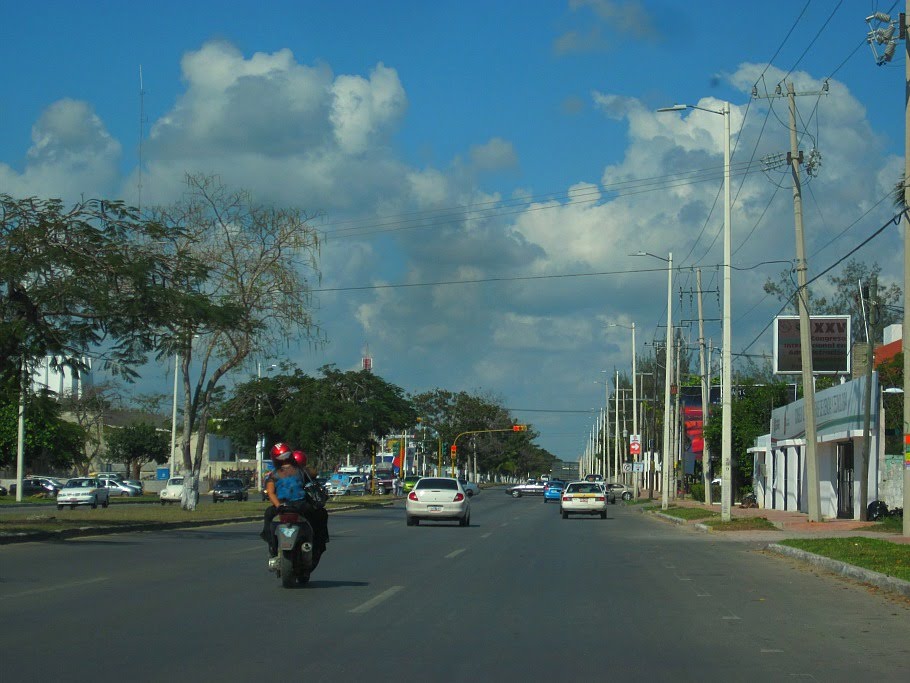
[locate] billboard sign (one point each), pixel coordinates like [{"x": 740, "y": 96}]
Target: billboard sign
[{"x": 830, "y": 344}]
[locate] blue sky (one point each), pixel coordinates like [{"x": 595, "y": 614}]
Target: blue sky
[{"x": 540, "y": 113}]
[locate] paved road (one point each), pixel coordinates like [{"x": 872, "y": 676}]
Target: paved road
[{"x": 519, "y": 594}]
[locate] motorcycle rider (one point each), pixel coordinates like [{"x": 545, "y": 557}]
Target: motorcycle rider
[{"x": 291, "y": 483}]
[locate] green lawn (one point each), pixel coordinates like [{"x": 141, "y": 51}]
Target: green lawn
[
  {"x": 892, "y": 559},
  {"x": 689, "y": 513},
  {"x": 33, "y": 518},
  {"x": 742, "y": 524}
]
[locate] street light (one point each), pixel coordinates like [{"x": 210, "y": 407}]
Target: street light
[
  {"x": 727, "y": 370},
  {"x": 260, "y": 439},
  {"x": 665, "y": 449},
  {"x": 635, "y": 476}
]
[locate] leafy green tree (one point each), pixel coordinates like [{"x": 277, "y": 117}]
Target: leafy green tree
[
  {"x": 750, "y": 414},
  {"x": 50, "y": 442},
  {"x": 136, "y": 444}
]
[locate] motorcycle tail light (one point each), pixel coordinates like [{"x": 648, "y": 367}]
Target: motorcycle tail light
[
  {"x": 413, "y": 496},
  {"x": 290, "y": 517},
  {"x": 458, "y": 498}
]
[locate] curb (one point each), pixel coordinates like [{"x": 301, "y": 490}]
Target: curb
[
  {"x": 37, "y": 536},
  {"x": 670, "y": 518},
  {"x": 883, "y": 581}
]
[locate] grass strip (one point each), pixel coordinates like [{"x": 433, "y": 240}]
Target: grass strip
[
  {"x": 689, "y": 513},
  {"x": 885, "y": 557},
  {"x": 742, "y": 524}
]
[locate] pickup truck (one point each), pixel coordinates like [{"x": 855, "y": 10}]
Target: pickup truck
[{"x": 532, "y": 487}]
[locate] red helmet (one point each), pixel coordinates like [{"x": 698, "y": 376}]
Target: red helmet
[
  {"x": 299, "y": 458},
  {"x": 281, "y": 453}
]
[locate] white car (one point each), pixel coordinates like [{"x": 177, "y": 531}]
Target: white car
[
  {"x": 438, "y": 498},
  {"x": 583, "y": 498},
  {"x": 343, "y": 484},
  {"x": 469, "y": 487},
  {"x": 173, "y": 491},
  {"x": 119, "y": 488},
  {"x": 83, "y": 491}
]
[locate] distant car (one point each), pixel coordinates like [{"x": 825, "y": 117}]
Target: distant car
[
  {"x": 583, "y": 498},
  {"x": 38, "y": 486},
  {"x": 619, "y": 491},
  {"x": 83, "y": 491},
  {"x": 119, "y": 488},
  {"x": 532, "y": 487},
  {"x": 109, "y": 475},
  {"x": 137, "y": 483},
  {"x": 440, "y": 498},
  {"x": 342, "y": 484},
  {"x": 172, "y": 491},
  {"x": 3, "y": 490},
  {"x": 597, "y": 478},
  {"x": 229, "y": 489},
  {"x": 469, "y": 487},
  {"x": 552, "y": 490},
  {"x": 408, "y": 484}
]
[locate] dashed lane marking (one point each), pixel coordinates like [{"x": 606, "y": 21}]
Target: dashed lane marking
[
  {"x": 371, "y": 603},
  {"x": 455, "y": 553},
  {"x": 59, "y": 586}
]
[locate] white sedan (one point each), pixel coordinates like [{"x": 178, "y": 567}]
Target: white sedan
[
  {"x": 438, "y": 498},
  {"x": 83, "y": 491},
  {"x": 583, "y": 498}
]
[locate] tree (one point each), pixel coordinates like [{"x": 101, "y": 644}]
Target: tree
[
  {"x": 50, "y": 442},
  {"x": 88, "y": 410},
  {"x": 846, "y": 297},
  {"x": 136, "y": 444},
  {"x": 259, "y": 262}
]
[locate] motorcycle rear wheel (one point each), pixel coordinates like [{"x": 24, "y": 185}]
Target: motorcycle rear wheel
[{"x": 286, "y": 567}]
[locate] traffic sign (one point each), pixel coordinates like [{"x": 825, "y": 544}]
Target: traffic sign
[
  {"x": 627, "y": 467},
  {"x": 635, "y": 448}
]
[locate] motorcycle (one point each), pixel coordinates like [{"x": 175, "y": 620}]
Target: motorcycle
[{"x": 294, "y": 535}]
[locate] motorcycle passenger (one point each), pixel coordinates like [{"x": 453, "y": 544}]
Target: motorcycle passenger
[{"x": 291, "y": 483}]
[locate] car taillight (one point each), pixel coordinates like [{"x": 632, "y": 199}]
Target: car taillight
[
  {"x": 458, "y": 498},
  {"x": 599, "y": 498},
  {"x": 413, "y": 496},
  {"x": 567, "y": 497}
]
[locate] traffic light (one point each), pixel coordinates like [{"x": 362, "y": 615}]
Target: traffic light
[{"x": 519, "y": 428}]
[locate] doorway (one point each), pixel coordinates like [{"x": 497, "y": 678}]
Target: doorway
[{"x": 845, "y": 480}]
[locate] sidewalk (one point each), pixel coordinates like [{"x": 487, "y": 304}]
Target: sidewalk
[{"x": 794, "y": 524}]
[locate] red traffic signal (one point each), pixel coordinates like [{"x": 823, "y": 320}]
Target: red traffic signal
[
  {"x": 519, "y": 428},
  {"x": 453, "y": 449}
]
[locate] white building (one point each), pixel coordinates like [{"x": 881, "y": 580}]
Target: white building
[
  {"x": 780, "y": 475},
  {"x": 63, "y": 381}
]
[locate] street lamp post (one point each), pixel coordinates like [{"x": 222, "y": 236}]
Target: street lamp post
[
  {"x": 665, "y": 454},
  {"x": 727, "y": 370},
  {"x": 635, "y": 475},
  {"x": 260, "y": 439}
]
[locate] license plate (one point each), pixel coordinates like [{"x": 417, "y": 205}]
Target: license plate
[{"x": 434, "y": 508}]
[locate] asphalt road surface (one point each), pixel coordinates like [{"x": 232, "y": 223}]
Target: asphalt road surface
[{"x": 521, "y": 594}]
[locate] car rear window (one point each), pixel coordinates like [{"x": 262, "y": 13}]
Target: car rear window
[{"x": 432, "y": 483}]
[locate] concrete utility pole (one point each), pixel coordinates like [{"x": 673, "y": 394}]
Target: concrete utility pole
[
  {"x": 871, "y": 322},
  {"x": 905, "y": 344},
  {"x": 805, "y": 329},
  {"x": 616, "y": 431},
  {"x": 668, "y": 361},
  {"x": 677, "y": 432},
  {"x": 705, "y": 396}
]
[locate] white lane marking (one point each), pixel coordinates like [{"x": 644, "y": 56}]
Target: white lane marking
[
  {"x": 391, "y": 523},
  {"x": 732, "y": 617},
  {"x": 486, "y": 535},
  {"x": 702, "y": 595},
  {"x": 59, "y": 586},
  {"x": 769, "y": 651},
  {"x": 455, "y": 553},
  {"x": 682, "y": 578},
  {"x": 371, "y": 603}
]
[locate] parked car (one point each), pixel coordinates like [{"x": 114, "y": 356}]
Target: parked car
[
  {"x": 119, "y": 488},
  {"x": 407, "y": 484},
  {"x": 552, "y": 490},
  {"x": 3, "y": 490},
  {"x": 172, "y": 491},
  {"x": 109, "y": 475},
  {"x": 438, "y": 498},
  {"x": 83, "y": 491},
  {"x": 229, "y": 489},
  {"x": 470, "y": 488},
  {"x": 137, "y": 483},
  {"x": 47, "y": 487},
  {"x": 583, "y": 497},
  {"x": 531, "y": 487},
  {"x": 619, "y": 491}
]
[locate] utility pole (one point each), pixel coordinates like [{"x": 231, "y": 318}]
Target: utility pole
[
  {"x": 705, "y": 396},
  {"x": 805, "y": 330},
  {"x": 616, "y": 417},
  {"x": 871, "y": 322},
  {"x": 677, "y": 432}
]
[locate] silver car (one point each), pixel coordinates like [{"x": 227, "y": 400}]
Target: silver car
[
  {"x": 119, "y": 488},
  {"x": 619, "y": 491}
]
